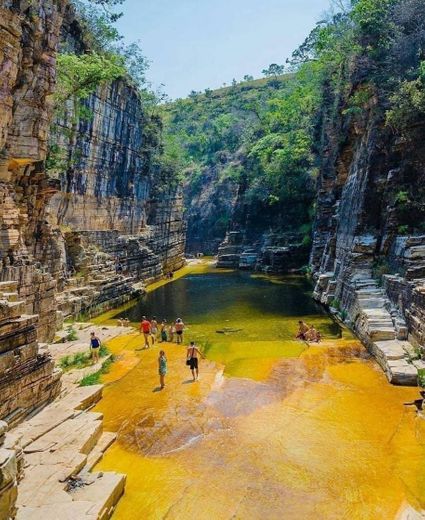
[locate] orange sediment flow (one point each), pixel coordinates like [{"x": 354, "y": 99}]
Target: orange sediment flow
[
  {"x": 274, "y": 429},
  {"x": 320, "y": 436}
]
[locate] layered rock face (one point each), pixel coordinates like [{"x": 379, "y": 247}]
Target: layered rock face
[
  {"x": 29, "y": 38},
  {"x": 120, "y": 228},
  {"x": 29, "y": 35},
  {"x": 60, "y": 229},
  {"x": 363, "y": 266}
]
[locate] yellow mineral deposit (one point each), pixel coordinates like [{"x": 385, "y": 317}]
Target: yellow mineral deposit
[{"x": 272, "y": 430}]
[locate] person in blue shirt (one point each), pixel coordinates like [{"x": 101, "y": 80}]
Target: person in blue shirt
[{"x": 94, "y": 347}]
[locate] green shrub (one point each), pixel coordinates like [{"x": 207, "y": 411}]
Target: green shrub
[
  {"x": 403, "y": 230},
  {"x": 336, "y": 304},
  {"x": 402, "y": 198},
  {"x": 81, "y": 359},
  {"x": 379, "y": 268},
  {"x": 71, "y": 334}
]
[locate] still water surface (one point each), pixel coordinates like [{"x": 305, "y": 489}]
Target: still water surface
[{"x": 273, "y": 429}]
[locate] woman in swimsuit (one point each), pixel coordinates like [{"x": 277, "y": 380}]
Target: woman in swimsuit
[
  {"x": 162, "y": 368},
  {"x": 154, "y": 329}
]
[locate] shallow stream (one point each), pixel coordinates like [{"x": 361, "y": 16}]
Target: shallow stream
[{"x": 274, "y": 429}]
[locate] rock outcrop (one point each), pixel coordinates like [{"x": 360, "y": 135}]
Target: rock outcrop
[
  {"x": 79, "y": 239},
  {"x": 29, "y": 36},
  {"x": 121, "y": 227},
  {"x": 107, "y": 191},
  {"x": 364, "y": 268}
]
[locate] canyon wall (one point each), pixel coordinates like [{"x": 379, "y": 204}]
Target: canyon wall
[
  {"x": 78, "y": 239},
  {"x": 366, "y": 267},
  {"x": 227, "y": 142},
  {"x": 29, "y": 35},
  {"x": 121, "y": 227}
]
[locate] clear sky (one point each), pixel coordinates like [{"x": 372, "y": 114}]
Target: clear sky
[{"x": 198, "y": 44}]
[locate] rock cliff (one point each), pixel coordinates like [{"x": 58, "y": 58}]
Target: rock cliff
[
  {"x": 83, "y": 238},
  {"x": 365, "y": 266},
  {"x": 29, "y": 35}
]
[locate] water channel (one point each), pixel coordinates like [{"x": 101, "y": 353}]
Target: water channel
[{"x": 274, "y": 429}]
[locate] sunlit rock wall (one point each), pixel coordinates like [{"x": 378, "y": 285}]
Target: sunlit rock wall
[
  {"x": 111, "y": 206},
  {"x": 358, "y": 243},
  {"x": 29, "y": 35}
]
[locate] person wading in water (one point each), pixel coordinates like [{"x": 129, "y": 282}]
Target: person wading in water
[
  {"x": 192, "y": 359},
  {"x": 145, "y": 328},
  {"x": 94, "y": 347},
  {"x": 179, "y": 330},
  {"x": 162, "y": 368}
]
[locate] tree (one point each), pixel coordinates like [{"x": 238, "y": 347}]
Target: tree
[
  {"x": 78, "y": 76},
  {"x": 248, "y": 77},
  {"x": 274, "y": 70}
]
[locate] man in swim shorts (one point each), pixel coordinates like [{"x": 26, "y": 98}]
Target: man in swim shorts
[
  {"x": 179, "y": 330},
  {"x": 192, "y": 359}
]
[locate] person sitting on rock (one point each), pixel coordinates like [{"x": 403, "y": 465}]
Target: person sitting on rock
[
  {"x": 95, "y": 344},
  {"x": 302, "y": 330},
  {"x": 312, "y": 335}
]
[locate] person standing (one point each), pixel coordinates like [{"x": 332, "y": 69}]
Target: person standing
[
  {"x": 162, "y": 368},
  {"x": 154, "y": 329},
  {"x": 171, "y": 332},
  {"x": 145, "y": 328},
  {"x": 163, "y": 330},
  {"x": 192, "y": 359},
  {"x": 95, "y": 344},
  {"x": 179, "y": 330}
]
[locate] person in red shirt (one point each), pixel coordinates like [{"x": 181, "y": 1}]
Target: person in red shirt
[{"x": 145, "y": 328}]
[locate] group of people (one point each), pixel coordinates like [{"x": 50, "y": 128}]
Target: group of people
[
  {"x": 308, "y": 333},
  {"x": 152, "y": 330},
  {"x": 192, "y": 361}
]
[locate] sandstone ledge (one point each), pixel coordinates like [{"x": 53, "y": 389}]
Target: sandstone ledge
[{"x": 61, "y": 445}]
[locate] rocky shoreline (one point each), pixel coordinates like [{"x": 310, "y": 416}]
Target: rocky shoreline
[{"x": 47, "y": 461}]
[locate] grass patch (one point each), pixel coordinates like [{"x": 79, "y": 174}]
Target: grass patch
[
  {"x": 71, "y": 334},
  {"x": 80, "y": 359},
  {"x": 94, "y": 379}
]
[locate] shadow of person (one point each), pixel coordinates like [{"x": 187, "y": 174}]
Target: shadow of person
[
  {"x": 157, "y": 389},
  {"x": 188, "y": 381}
]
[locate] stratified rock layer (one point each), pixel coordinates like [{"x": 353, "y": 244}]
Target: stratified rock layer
[{"x": 357, "y": 241}]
